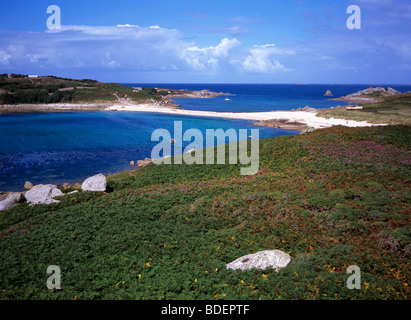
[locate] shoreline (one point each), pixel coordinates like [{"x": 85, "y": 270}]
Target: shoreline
[
  {"x": 299, "y": 120},
  {"x": 287, "y": 120}
]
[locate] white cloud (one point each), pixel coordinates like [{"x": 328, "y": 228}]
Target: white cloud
[
  {"x": 223, "y": 48},
  {"x": 261, "y": 59},
  {"x": 128, "y": 26},
  {"x": 110, "y": 62},
  {"x": 206, "y": 58},
  {"x": 130, "y": 48},
  {"x": 4, "y": 57},
  {"x": 125, "y": 47}
]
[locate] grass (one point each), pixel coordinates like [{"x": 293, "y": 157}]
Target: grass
[
  {"x": 331, "y": 198},
  {"x": 81, "y": 91},
  {"x": 393, "y": 110}
]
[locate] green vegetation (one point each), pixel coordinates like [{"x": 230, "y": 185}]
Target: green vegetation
[
  {"x": 393, "y": 110},
  {"x": 331, "y": 198},
  {"x": 50, "y": 89},
  {"x": 36, "y": 96}
]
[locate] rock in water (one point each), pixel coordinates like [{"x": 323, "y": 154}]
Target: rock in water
[
  {"x": 261, "y": 260},
  {"x": 328, "y": 93},
  {"x": 43, "y": 194},
  {"x": 12, "y": 199},
  {"x": 95, "y": 183},
  {"x": 28, "y": 185}
]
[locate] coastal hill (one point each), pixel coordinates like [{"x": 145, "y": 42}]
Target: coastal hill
[
  {"x": 377, "y": 105},
  {"x": 16, "y": 89},
  {"x": 331, "y": 199},
  {"x": 370, "y": 95}
]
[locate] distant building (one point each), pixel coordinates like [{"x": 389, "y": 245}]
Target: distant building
[
  {"x": 9, "y": 75},
  {"x": 32, "y": 76},
  {"x": 354, "y": 108},
  {"x": 136, "y": 89}
]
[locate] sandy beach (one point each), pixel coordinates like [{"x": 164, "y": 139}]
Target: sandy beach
[{"x": 293, "y": 120}]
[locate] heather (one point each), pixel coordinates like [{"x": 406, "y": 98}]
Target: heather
[{"x": 330, "y": 198}]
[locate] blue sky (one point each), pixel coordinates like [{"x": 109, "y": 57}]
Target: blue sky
[{"x": 225, "y": 41}]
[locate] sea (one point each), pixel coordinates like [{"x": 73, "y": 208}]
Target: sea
[{"x": 69, "y": 147}]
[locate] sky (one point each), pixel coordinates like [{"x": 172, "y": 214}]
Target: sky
[{"x": 224, "y": 41}]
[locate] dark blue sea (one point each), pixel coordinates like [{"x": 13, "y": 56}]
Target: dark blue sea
[
  {"x": 69, "y": 147},
  {"x": 266, "y": 97}
]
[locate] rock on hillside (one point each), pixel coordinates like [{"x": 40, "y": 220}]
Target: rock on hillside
[
  {"x": 11, "y": 200},
  {"x": 261, "y": 260},
  {"x": 95, "y": 183},
  {"x": 43, "y": 194}
]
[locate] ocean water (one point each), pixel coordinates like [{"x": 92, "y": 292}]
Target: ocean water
[
  {"x": 69, "y": 147},
  {"x": 265, "y": 97}
]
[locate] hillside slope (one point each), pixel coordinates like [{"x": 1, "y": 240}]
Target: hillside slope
[
  {"x": 392, "y": 109},
  {"x": 331, "y": 198}
]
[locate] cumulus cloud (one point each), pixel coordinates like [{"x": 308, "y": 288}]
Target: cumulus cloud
[
  {"x": 125, "y": 47},
  {"x": 262, "y": 59},
  {"x": 202, "y": 58},
  {"x": 130, "y": 48}
]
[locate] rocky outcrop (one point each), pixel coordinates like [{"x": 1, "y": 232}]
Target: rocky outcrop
[
  {"x": 143, "y": 163},
  {"x": 285, "y": 124},
  {"x": 43, "y": 194},
  {"x": 328, "y": 93},
  {"x": 66, "y": 185},
  {"x": 309, "y": 129},
  {"x": 369, "y": 95},
  {"x": 261, "y": 260},
  {"x": 378, "y": 90},
  {"x": 206, "y": 94},
  {"x": 307, "y": 108},
  {"x": 28, "y": 185},
  {"x": 162, "y": 103},
  {"x": 197, "y": 94},
  {"x": 12, "y": 199},
  {"x": 95, "y": 183}
]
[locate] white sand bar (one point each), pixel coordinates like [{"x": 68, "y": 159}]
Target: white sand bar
[{"x": 307, "y": 117}]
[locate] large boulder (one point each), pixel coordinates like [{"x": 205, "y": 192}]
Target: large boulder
[
  {"x": 143, "y": 163},
  {"x": 95, "y": 183},
  {"x": 11, "y": 200},
  {"x": 43, "y": 194},
  {"x": 261, "y": 260},
  {"x": 328, "y": 93}
]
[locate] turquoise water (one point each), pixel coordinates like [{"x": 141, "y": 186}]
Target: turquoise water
[{"x": 69, "y": 147}]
